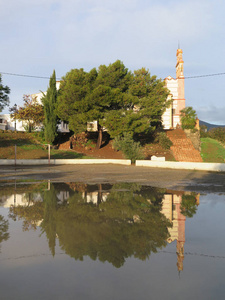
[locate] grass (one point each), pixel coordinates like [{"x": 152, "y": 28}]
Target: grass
[
  {"x": 27, "y": 147},
  {"x": 212, "y": 151}
]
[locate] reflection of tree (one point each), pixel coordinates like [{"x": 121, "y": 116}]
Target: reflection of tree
[
  {"x": 4, "y": 226},
  {"x": 30, "y": 214},
  {"x": 125, "y": 222},
  {"x": 48, "y": 224},
  {"x": 189, "y": 205},
  {"x": 125, "y": 225}
]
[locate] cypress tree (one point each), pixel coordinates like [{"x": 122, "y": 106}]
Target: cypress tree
[{"x": 49, "y": 101}]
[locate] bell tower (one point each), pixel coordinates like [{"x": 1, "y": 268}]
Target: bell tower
[
  {"x": 180, "y": 83},
  {"x": 180, "y": 64},
  {"x": 171, "y": 117}
]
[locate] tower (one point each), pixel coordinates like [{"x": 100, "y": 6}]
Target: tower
[
  {"x": 171, "y": 117},
  {"x": 180, "y": 83}
]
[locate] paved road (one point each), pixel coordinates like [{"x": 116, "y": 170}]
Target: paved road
[{"x": 165, "y": 178}]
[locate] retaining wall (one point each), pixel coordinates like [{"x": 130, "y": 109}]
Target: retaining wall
[
  {"x": 63, "y": 161},
  {"x": 214, "y": 167}
]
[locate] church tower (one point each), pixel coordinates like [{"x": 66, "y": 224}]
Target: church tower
[
  {"x": 171, "y": 117},
  {"x": 180, "y": 81}
]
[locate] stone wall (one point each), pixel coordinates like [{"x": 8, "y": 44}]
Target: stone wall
[{"x": 194, "y": 137}]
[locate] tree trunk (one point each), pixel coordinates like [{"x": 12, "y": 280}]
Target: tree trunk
[{"x": 99, "y": 142}]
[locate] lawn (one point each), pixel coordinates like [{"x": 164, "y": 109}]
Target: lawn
[
  {"x": 27, "y": 147},
  {"x": 212, "y": 151}
]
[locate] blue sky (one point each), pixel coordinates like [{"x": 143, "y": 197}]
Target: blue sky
[{"x": 40, "y": 36}]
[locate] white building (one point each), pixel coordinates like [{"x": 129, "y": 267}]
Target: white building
[{"x": 7, "y": 123}]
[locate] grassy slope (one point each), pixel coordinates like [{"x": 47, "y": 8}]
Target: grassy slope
[
  {"x": 212, "y": 151},
  {"x": 27, "y": 148}
]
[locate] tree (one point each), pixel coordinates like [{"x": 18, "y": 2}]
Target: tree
[
  {"x": 143, "y": 105},
  {"x": 72, "y": 98},
  {"x": 188, "y": 118},
  {"x": 31, "y": 112},
  {"x": 119, "y": 100},
  {"x": 109, "y": 95},
  {"x": 49, "y": 101},
  {"x": 4, "y": 92}
]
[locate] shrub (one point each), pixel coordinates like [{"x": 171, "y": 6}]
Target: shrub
[
  {"x": 132, "y": 150},
  {"x": 163, "y": 140},
  {"x": 188, "y": 118},
  {"x": 217, "y": 133},
  {"x": 203, "y": 131}
]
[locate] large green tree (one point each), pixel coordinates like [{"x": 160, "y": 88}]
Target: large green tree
[
  {"x": 4, "y": 92},
  {"x": 118, "y": 99},
  {"x": 143, "y": 105},
  {"x": 49, "y": 101},
  {"x": 109, "y": 94},
  {"x": 73, "y": 103}
]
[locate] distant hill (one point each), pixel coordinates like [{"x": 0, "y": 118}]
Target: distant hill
[{"x": 209, "y": 126}]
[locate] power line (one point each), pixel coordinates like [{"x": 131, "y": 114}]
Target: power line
[
  {"x": 31, "y": 76},
  {"x": 207, "y": 75},
  {"x": 45, "y": 77}
]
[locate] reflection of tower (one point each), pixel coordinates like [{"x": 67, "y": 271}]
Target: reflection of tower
[
  {"x": 171, "y": 209},
  {"x": 181, "y": 233}
]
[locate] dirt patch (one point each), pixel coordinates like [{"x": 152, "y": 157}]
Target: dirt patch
[
  {"x": 29, "y": 148},
  {"x": 107, "y": 150}
]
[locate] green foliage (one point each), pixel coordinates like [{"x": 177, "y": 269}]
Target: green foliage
[
  {"x": 4, "y": 227},
  {"x": 50, "y": 103},
  {"x": 132, "y": 150},
  {"x": 188, "y": 118},
  {"x": 32, "y": 113},
  {"x": 4, "y": 92},
  {"x": 217, "y": 133},
  {"x": 189, "y": 205},
  {"x": 203, "y": 131},
  {"x": 163, "y": 140},
  {"x": 73, "y": 98},
  {"x": 118, "y": 99}
]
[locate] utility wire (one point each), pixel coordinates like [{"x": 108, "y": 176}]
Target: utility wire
[
  {"x": 207, "y": 75},
  {"x": 45, "y": 77},
  {"x": 23, "y": 75},
  {"x": 160, "y": 251}
]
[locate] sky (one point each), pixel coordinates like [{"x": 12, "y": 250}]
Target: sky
[{"x": 38, "y": 37}]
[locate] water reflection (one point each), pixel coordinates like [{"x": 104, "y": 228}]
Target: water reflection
[
  {"x": 105, "y": 222},
  {"x": 4, "y": 227}
]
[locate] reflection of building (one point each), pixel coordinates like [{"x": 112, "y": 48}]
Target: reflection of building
[
  {"x": 171, "y": 209},
  {"x": 20, "y": 199}
]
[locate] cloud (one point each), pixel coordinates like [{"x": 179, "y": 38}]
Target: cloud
[
  {"x": 39, "y": 36},
  {"x": 101, "y": 31},
  {"x": 211, "y": 114}
]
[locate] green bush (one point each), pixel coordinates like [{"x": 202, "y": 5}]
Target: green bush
[
  {"x": 188, "y": 118},
  {"x": 217, "y": 133},
  {"x": 163, "y": 140},
  {"x": 132, "y": 150}
]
